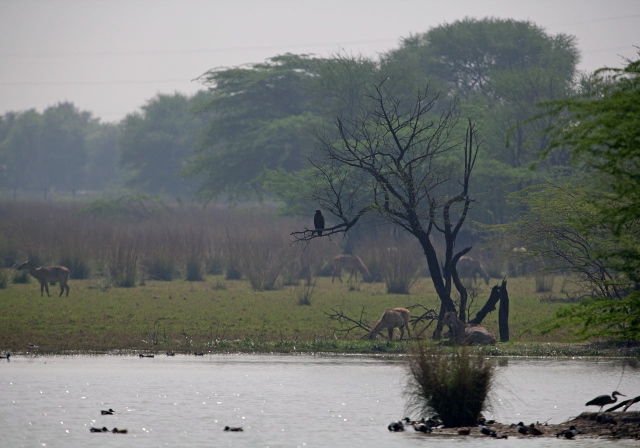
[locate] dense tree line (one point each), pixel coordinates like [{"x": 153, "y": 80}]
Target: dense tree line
[{"x": 250, "y": 134}]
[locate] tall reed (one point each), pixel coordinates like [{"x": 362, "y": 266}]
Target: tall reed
[{"x": 452, "y": 384}]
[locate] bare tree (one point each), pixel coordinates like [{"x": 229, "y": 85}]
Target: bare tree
[{"x": 405, "y": 161}]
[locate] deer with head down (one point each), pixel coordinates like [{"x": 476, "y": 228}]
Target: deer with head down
[
  {"x": 351, "y": 263},
  {"x": 469, "y": 267},
  {"x": 46, "y": 274},
  {"x": 392, "y": 318},
  {"x": 466, "y": 334}
]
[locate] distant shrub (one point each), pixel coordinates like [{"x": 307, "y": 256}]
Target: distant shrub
[{"x": 454, "y": 385}]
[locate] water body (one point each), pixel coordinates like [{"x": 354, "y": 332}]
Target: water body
[{"x": 280, "y": 401}]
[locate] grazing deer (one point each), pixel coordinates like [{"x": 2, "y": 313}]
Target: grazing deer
[
  {"x": 393, "y": 317},
  {"x": 351, "y": 263},
  {"x": 46, "y": 274},
  {"x": 466, "y": 334},
  {"x": 469, "y": 267}
]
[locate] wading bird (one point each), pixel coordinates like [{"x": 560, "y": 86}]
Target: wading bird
[{"x": 604, "y": 400}]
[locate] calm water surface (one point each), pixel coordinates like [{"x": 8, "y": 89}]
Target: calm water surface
[{"x": 280, "y": 401}]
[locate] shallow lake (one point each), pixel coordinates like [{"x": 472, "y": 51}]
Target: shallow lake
[{"x": 280, "y": 401}]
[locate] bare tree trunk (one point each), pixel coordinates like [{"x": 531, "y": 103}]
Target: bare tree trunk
[
  {"x": 488, "y": 307},
  {"x": 503, "y": 313}
]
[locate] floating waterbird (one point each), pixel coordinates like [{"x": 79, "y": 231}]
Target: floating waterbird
[
  {"x": 109, "y": 412},
  {"x": 604, "y": 400},
  {"x": 568, "y": 433},
  {"x": 395, "y": 427},
  {"x": 171, "y": 354},
  {"x": 146, "y": 356},
  {"x": 198, "y": 354},
  {"x": 486, "y": 431},
  {"x": 534, "y": 431},
  {"x": 233, "y": 429},
  {"x": 119, "y": 431},
  {"x": 103, "y": 429},
  {"x": 422, "y": 428}
]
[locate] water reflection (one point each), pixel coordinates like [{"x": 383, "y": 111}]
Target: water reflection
[{"x": 186, "y": 401}]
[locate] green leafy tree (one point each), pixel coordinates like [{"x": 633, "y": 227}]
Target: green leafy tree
[
  {"x": 601, "y": 128},
  {"x": 102, "y": 170},
  {"x": 26, "y": 167},
  {"x": 64, "y": 150},
  {"x": 156, "y": 143},
  {"x": 262, "y": 118},
  {"x": 501, "y": 69}
]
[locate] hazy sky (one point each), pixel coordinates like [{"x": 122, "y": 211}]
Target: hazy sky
[{"x": 111, "y": 56}]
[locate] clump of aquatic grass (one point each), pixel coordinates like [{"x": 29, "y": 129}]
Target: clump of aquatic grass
[{"x": 452, "y": 384}]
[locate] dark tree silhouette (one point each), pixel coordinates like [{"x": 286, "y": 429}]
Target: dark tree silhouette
[{"x": 406, "y": 161}]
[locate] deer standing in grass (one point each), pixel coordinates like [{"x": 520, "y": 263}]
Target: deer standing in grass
[
  {"x": 392, "y": 318},
  {"x": 46, "y": 274},
  {"x": 469, "y": 267},
  {"x": 351, "y": 263},
  {"x": 466, "y": 334}
]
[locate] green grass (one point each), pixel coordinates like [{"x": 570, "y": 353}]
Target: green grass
[{"x": 223, "y": 315}]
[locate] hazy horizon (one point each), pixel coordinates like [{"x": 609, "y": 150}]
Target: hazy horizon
[{"x": 110, "y": 57}]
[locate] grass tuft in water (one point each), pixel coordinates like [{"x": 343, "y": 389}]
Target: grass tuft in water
[{"x": 452, "y": 384}]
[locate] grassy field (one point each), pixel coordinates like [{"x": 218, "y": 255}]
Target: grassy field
[
  {"x": 156, "y": 277},
  {"x": 224, "y": 315}
]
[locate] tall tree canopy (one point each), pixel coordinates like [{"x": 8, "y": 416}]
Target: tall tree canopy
[
  {"x": 262, "y": 118},
  {"x": 601, "y": 129},
  {"x": 156, "y": 143}
]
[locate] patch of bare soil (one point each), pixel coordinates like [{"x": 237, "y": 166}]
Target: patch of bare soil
[{"x": 609, "y": 425}]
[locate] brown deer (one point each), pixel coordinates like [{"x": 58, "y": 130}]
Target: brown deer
[
  {"x": 46, "y": 274},
  {"x": 391, "y": 318},
  {"x": 351, "y": 263},
  {"x": 466, "y": 334},
  {"x": 469, "y": 267}
]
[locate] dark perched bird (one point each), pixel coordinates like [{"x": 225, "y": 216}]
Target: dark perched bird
[
  {"x": 604, "y": 400},
  {"x": 568, "y": 433},
  {"x": 534, "y": 431},
  {"x": 233, "y": 429},
  {"x": 109, "y": 412},
  {"x": 521, "y": 428},
  {"x": 119, "y": 431},
  {"x": 6, "y": 357},
  {"x": 103, "y": 429},
  {"x": 395, "y": 426},
  {"x": 146, "y": 356},
  {"x": 318, "y": 222},
  {"x": 421, "y": 427}
]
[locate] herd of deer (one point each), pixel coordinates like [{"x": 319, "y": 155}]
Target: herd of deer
[{"x": 392, "y": 318}]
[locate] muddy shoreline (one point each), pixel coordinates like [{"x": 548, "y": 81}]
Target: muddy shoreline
[{"x": 591, "y": 425}]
